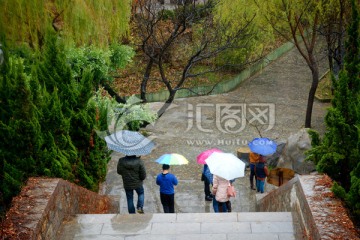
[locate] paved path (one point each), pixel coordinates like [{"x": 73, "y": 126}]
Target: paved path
[
  {"x": 195, "y": 124},
  {"x": 181, "y": 226},
  {"x": 273, "y": 104}
]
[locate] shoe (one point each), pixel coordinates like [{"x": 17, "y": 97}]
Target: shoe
[
  {"x": 208, "y": 198},
  {"x": 140, "y": 210},
  {"x": 253, "y": 188}
]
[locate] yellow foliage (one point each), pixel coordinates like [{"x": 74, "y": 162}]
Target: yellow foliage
[{"x": 80, "y": 22}]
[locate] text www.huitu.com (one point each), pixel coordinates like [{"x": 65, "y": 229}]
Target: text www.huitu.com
[{"x": 216, "y": 142}]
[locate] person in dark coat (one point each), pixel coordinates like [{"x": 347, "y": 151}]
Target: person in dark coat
[
  {"x": 206, "y": 176},
  {"x": 133, "y": 173}
]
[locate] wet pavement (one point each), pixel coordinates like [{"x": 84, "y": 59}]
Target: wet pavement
[
  {"x": 271, "y": 104},
  {"x": 181, "y": 226}
]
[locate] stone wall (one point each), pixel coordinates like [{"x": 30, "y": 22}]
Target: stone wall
[
  {"x": 317, "y": 214},
  {"x": 44, "y": 203}
]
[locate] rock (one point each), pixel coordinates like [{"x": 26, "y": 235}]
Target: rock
[
  {"x": 293, "y": 155},
  {"x": 273, "y": 159},
  {"x": 243, "y": 154}
]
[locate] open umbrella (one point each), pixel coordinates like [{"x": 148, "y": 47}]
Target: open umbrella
[
  {"x": 200, "y": 159},
  {"x": 263, "y": 146},
  {"x": 129, "y": 143},
  {"x": 226, "y": 165},
  {"x": 172, "y": 159}
]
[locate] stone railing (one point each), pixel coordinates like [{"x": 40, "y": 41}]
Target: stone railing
[
  {"x": 44, "y": 203},
  {"x": 317, "y": 214}
]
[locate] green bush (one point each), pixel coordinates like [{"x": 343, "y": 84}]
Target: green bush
[
  {"x": 338, "y": 190},
  {"x": 47, "y": 121},
  {"x": 166, "y": 14},
  {"x": 338, "y": 154}
]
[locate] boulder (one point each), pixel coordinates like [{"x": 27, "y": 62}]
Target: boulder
[
  {"x": 273, "y": 159},
  {"x": 293, "y": 155},
  {"x": 243, "y": 154}
]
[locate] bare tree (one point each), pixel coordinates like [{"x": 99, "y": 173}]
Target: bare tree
[
  {"x": 298, "y": 21},
  {"x": 164, "y": 35},
  {"x": 333, "y": 28}
]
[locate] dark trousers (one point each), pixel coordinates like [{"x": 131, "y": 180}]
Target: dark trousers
[
  {"x": 252, "y": 174},
  {"x": 207, "y": 186},
  {"x": 224, "y": 206},
  {"x": 130, "y": 198},
  {"x": 168, "y": 202}
]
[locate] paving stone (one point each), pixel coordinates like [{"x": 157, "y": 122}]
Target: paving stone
[
  {"x": 202, "y": 237},
  {"x": 75, "y": 230},
  {"x": 221, "y": 227},
  {"x": 101, "y": 237},
  {"x": 126, "y": 228},
  {"x": 286, "y": 236},
  {"x": 95, "y": 218},
  {"x": 259, "y": 236},
  {"x": 268, "y": 227},
  {"x": 175, "y": 228},
  {"x": 265, "y": 217},
  {"x": 208, "y": 217}
]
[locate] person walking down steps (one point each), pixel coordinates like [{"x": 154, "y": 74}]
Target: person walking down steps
[
  {"x": 253, "y": 159},
  {"x": 219, "y": 190},
  {"x": 167, "y": 181},
  {"x": 133, "y": 173},
  {"x": 206, "y": 177},
  {"x": 261, "y": 172}
]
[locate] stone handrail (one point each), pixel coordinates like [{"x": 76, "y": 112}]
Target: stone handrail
[
  {"x": 313, "y": 206},
  {"x": 44, "y": 203}
]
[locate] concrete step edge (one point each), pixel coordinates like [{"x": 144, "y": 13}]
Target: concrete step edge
[{"x": 182, "y": 217}]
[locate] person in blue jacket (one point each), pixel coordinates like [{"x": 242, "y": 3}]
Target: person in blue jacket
[
  {"x": 261, "y": 172},
  {"x": 206, "y": 177},
  {"x": 167, "y": 181}
]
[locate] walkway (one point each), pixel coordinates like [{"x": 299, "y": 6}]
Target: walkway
[
  {"x": 181, "y": 226},
  {"x": 271, "y": 104},
  {"x": 283, "y": 86}
]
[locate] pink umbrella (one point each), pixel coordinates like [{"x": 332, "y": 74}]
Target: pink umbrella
[{"x": 205, "y": 154}]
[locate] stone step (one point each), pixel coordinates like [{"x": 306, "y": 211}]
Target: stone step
[{"x": 187, "y": 226}]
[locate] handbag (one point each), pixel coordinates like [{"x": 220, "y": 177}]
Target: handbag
[{"x": 231, "y": 190}]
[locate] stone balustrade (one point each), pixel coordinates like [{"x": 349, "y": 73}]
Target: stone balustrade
[{"x": 44, "y": 203}]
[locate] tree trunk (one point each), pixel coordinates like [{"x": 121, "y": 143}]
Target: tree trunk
[
  {"x": 113, "y": 93},
  {"x": 145, "y": 80},
  {"x": 167, "y": 103},
  {"x": 311, "y": 98}
]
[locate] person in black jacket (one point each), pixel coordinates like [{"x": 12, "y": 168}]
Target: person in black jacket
[{"x": 133, "y": 172}]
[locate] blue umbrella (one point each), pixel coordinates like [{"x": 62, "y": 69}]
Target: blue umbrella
[{"x": 263, "y": 146}]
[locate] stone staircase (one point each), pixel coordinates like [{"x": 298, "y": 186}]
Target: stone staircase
[{"x": 187, "y": 226}]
